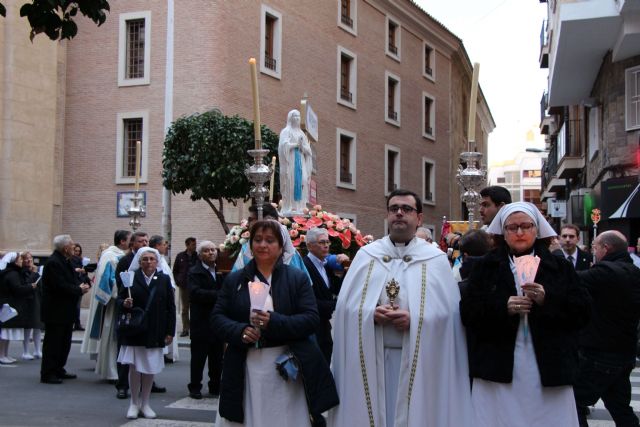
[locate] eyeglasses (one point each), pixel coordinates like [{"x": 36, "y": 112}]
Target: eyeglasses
[
  {"x": 323, "y": 242},
  {"x": 406, "y": 209},
  {"x": 525, "y": 227}
]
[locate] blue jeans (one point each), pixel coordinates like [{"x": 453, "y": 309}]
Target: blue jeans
[{"x": 605, "y": 376}]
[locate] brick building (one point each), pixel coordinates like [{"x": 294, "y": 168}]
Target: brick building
[
  {"x": 388, "y": 82},
  {"x": 591, "y": 111}
]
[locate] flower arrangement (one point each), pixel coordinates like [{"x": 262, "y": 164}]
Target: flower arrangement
[{"x": 345, "y": 237}]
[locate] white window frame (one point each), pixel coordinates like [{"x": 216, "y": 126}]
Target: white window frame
[
  {"x": 432, "y": 116},
  {"x": 353, "y": 77},
  {"x": 432, "y": 62},
  {"x": 632, "y": 98},
  {"x": 352, "y": 159},
  {"x": 350, "y": 216},
  {"x": 122, "y": 48},
  {"x": 431, "y": 190},
  {"x": 594, "y": 132},
  {"x": 398, "y": 40},
  {"x": 277, "y": 41},
  {"x": 144, "y": 163},
  {"x": 387, "y": 76},
  {"x": 354, "y": 16},
  {"x": 396, "y": 169}
]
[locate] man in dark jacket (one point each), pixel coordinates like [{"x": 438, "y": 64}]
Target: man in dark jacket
[
  {"x": 569, "y": 237},
  {"x": 60, "y": 293},
  {"x": 608, "y": 343},
  {"x": 183, "y": 263},
  {"x": 326, "y": 285},
  {"x": 203, "y": 293}
]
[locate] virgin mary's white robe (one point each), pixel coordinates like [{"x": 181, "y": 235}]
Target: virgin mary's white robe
[{"x": 431, "y": 385}]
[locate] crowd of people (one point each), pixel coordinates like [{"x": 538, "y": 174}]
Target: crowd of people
[{"x": 531, "y": 330}]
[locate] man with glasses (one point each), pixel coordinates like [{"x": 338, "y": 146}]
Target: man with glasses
[
  {"x": 399, "y": 349},
  {"x": 326, "y": 284},
  {"x": 569, "y": 237}
]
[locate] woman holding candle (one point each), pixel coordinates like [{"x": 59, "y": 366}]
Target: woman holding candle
[
  {"x": 253, "y": 393},
  {"x": 144, "y": 351},
  {"x": 523, "y": 354}
]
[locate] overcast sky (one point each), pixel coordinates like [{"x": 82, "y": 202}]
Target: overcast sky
[{"x": 504, "y": 37}]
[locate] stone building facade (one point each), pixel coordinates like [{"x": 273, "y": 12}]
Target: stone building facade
[
  {"x": 591, "y": 112},
  {"x": 389, "y": 85}
]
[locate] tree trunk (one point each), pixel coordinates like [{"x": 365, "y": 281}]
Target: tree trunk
[{"x": 219, "y": 211}]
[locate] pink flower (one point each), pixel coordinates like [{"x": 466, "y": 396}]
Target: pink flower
[
  {"x": 368, "y": 238},
  {"x": 329, "y": 224},
  {"x": 284, "y": 221},
  {"x": 293, "y": 233},
  {"x": 313, "y": 212},
  {"x": 305, "y": 211},
  {"x": 352, "y": 228},
  {"x": 303, "y": 237},
  {"x": 244, "y": 223},
  {"x": 339, "y": 226},
  {"x": 295, "y": 226},
  {"x": 317, "y": 207}
]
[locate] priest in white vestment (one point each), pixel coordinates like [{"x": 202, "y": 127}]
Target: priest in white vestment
[
  {"x": 400, "y": 363},
  {"x": 99, "y": 339}
]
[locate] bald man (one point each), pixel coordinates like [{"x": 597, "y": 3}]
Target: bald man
[{"x": 608, "y": 343}]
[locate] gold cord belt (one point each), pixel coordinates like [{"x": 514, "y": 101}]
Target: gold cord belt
[{"x": 414, "y": 363}]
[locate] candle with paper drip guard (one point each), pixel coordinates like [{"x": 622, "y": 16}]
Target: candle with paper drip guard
[
  {"x": 256, "y": 103},
  {"x": 473, "y": 100},
  {"x": 138, "y": 144}
]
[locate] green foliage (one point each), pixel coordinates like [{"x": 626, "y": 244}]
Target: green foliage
[
  {"x": 55, "y": 17},
  {"x": 207, "y": 155}
]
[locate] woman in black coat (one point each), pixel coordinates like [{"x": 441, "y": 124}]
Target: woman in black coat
[
  {"x": 524, "y": 355},
  {"x": 31, "y": 277},
  {"x": 256, "y": 338},
  {"x": 15, "y": 292},
  {"x": 151, "y": 290}
]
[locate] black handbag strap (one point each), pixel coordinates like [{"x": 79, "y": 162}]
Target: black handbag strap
[{"x": 153, "y": 292}]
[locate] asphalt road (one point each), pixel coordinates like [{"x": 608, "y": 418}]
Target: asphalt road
[{"x": 88, "y": 401}]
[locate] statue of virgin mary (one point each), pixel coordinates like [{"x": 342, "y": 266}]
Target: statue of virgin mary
[{"x": 294, "y": 153}]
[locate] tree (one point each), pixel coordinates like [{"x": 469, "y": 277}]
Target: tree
[
  {"x": 207, "y": 155},
  {"x": 55, "y": 17}
]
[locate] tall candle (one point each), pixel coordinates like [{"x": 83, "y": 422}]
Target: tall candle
[
  {"x": 256, "y": 104},
  {"x": 273, "y": 177},
  {"x": 137, "y": 166},
  {"x": 473, "y": 100}
]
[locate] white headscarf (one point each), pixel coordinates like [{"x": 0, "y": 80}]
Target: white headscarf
[
  {"x": 8, "y": 259},
  {"x": 135, "y": 263},
  {"x": 529, "y": 209}
]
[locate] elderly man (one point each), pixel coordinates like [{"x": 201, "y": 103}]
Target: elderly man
[
  {"x": 569, "y": 237},
  {"x": 203, "y": 290},
  {"x": 326, "y": 284},
  {"x": 60, "y": 293},
  {"x": 100, "y": 340},
  {"x": 399, "y": 355},
  {"x": 608, "y": 343},
  {"x": 493, "y": 199}
]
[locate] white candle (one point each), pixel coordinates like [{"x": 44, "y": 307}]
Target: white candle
[
  {"x": 256, "y": 104},
  {"x": 473, "y": 100},
  {"x": 137, "y": 166}
]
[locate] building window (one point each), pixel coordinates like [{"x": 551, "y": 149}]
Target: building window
[
  {"x": 131, "y": 127},
  {"x": 347, "y": 78},
  {"x": 501, "y": 180},
  {"x": 392, "y": 99},
  {"x": 393, "y": 38},
  {"x": 391, "y": 169},
  {"x": 134, "y": 48},
  {"x": 532, "y": 196},
  {"x": 428, "y": 116},
  {"x": 270, "y": 42},
  {"x": 347, "y": 16},
  {"x": 346, "y": 159},
  {"x": 594, "y": 131},
  {"x": 531, "y": 173},
  {"x": 632, "y": 95},
  {"x": 429, "y": 62},
  {"x": 428, "y": 181}
]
